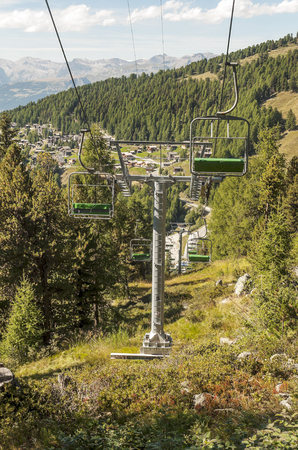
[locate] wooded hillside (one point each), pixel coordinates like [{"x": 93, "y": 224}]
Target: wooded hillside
[{"x": 162, "y": 106}]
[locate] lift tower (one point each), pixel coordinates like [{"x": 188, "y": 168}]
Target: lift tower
[{"x": 156, "y": 343}]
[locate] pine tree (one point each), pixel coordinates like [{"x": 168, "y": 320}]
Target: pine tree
[
  {"x": 272, "y": 184},
  {"x": 272, "y": 247},
  {"x": 24, "y": 330},
  {"x": 291, "y": 121},
  {"x": 7, "y": 133}
]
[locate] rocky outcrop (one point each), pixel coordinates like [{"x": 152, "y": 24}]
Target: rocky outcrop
[
  {"x": 240, "y": 285},
  {"x": 6, "y": 376}
]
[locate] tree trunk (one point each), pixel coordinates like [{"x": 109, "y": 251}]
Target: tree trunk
[
  {"x": 44, "y": 270},
  {"x": 96, "y": 316}
]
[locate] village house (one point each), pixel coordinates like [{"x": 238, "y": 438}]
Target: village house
[
  {"x": 152, "y": 148},
  {"x": 172, "y": 155},
  {"x": 177, "y": 169},
  {"x": 66, "y": 151}
]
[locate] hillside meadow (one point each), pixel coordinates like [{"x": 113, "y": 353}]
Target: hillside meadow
[{"x": 111, "y": 404}]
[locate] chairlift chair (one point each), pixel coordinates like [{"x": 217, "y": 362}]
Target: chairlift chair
[
  {"x": 140, "y": 248},
  {"x": 199, "y": 250},
  {"x": 90, "y": 193},
  {"x": 92, "y": 199},
  {"x": 222, "y": 163}
]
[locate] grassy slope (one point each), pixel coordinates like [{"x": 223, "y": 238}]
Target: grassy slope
[{"x": 82, "y": 352}]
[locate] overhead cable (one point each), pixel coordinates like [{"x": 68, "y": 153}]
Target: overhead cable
[
  {"x": 70, "y": 73},
  {"x": 162, "y": 37},
  {"x": 227, "y": 55},
  {"x": 133, "y": 41}
]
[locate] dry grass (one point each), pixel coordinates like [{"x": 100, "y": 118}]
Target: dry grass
[
  {"x": 284, "y": 101},
  {"x": 282, "y": 51},
  {"x": 289, "y": 144},
  {"x": 203, "y": 76}
]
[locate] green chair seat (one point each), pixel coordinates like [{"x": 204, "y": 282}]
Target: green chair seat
[
  {"x": 192, "y": 252},
  {"x": 219, "y": 165},
  {"x": 92, "y": 208},
  {"x": 199, "y": 258},
  {"x": 141, "y": 256}
]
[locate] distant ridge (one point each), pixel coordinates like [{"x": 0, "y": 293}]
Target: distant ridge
[{"x": 29, "y": 79}]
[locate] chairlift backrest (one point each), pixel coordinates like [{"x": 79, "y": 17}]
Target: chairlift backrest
[
  {"x": 199, "y": 250},
  {"x": 141, "y": 250},
  {"x": 91, "y": 195}
]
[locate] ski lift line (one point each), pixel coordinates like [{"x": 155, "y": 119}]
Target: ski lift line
[
  {"x": 66, "y": 61},
  {"x": 71, "y": 76},
  {"x": 227, "y": 55},
  {"x": 162, "y": 37},
  {"x": 133, "y": 41}
]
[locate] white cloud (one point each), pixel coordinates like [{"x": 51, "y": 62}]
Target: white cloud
[
  {"x": 73, "y": 18},
  {"x": 79, "y": 17},
  {"x": 178, "y": 11}
]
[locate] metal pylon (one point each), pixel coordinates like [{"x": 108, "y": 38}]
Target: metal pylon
[{"x": 157, "y": 341}]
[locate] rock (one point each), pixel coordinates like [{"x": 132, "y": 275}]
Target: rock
[
  {"x": 6, "y": 376},
  {"x": 239, "y": 286},
  {"x": 278, "y": 357},
  {"x": 290, "y": 364},
  {"x": 244, "y": 355},
  {"x": 185, "y": 386},
  {"x": 227, "y": 341},
  {"x": 284, "y": 395},
  {"x": 287, "y": 403},
  {"x": 218, "y": 283},
  {"x": 277, "y": 387},
  {"x": 225, "y": 300},
  {"x": 199, "y": 400}
]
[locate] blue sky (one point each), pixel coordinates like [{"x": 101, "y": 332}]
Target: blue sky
[{"x": 97, "y": 29}]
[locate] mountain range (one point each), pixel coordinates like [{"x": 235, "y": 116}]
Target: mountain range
[{"x": 29, "y": 79}]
